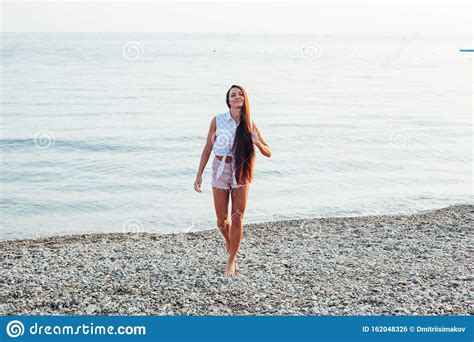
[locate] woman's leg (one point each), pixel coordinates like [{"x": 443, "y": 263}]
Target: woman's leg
[
  {"x": 239, "y": 203},
  {"x": 221, "y": 205}
]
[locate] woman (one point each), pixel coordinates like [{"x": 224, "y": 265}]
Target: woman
[{"x": 232, "y": 136}]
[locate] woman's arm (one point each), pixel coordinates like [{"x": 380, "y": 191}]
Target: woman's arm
[
  {"x": 260, "y": 142},
  {"x": 206, "y": 152}
]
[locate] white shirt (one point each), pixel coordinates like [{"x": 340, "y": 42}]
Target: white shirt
[{"x": 225, "y": 134}]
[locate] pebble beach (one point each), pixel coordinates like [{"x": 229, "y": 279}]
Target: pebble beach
[{"x": 414, "y": 264}]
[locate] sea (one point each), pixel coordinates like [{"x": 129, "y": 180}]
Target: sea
[{"x": 103, "y": 132}]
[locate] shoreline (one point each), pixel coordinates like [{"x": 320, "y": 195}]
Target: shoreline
[
  {"x": 394, "y": 264},
  {"x": 95, "y": 236}
]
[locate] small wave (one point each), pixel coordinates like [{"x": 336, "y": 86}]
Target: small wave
[{"x": 76, "y": 145}]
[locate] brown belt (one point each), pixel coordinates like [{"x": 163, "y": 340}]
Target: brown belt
[{"x": 228, "y": 159}]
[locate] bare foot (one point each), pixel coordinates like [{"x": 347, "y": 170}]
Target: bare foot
[{"x": 230, "y": 269}]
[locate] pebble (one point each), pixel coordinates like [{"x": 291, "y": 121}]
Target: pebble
[{"x": 416, "y": 264}]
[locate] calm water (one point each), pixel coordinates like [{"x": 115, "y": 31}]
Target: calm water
[{"x": 103, "y": 132}]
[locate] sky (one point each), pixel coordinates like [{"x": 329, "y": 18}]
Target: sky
[{"x": 317, "y": 17}]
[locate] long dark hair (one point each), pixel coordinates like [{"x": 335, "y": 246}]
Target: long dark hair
[{"x": 244, "y": 152}]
